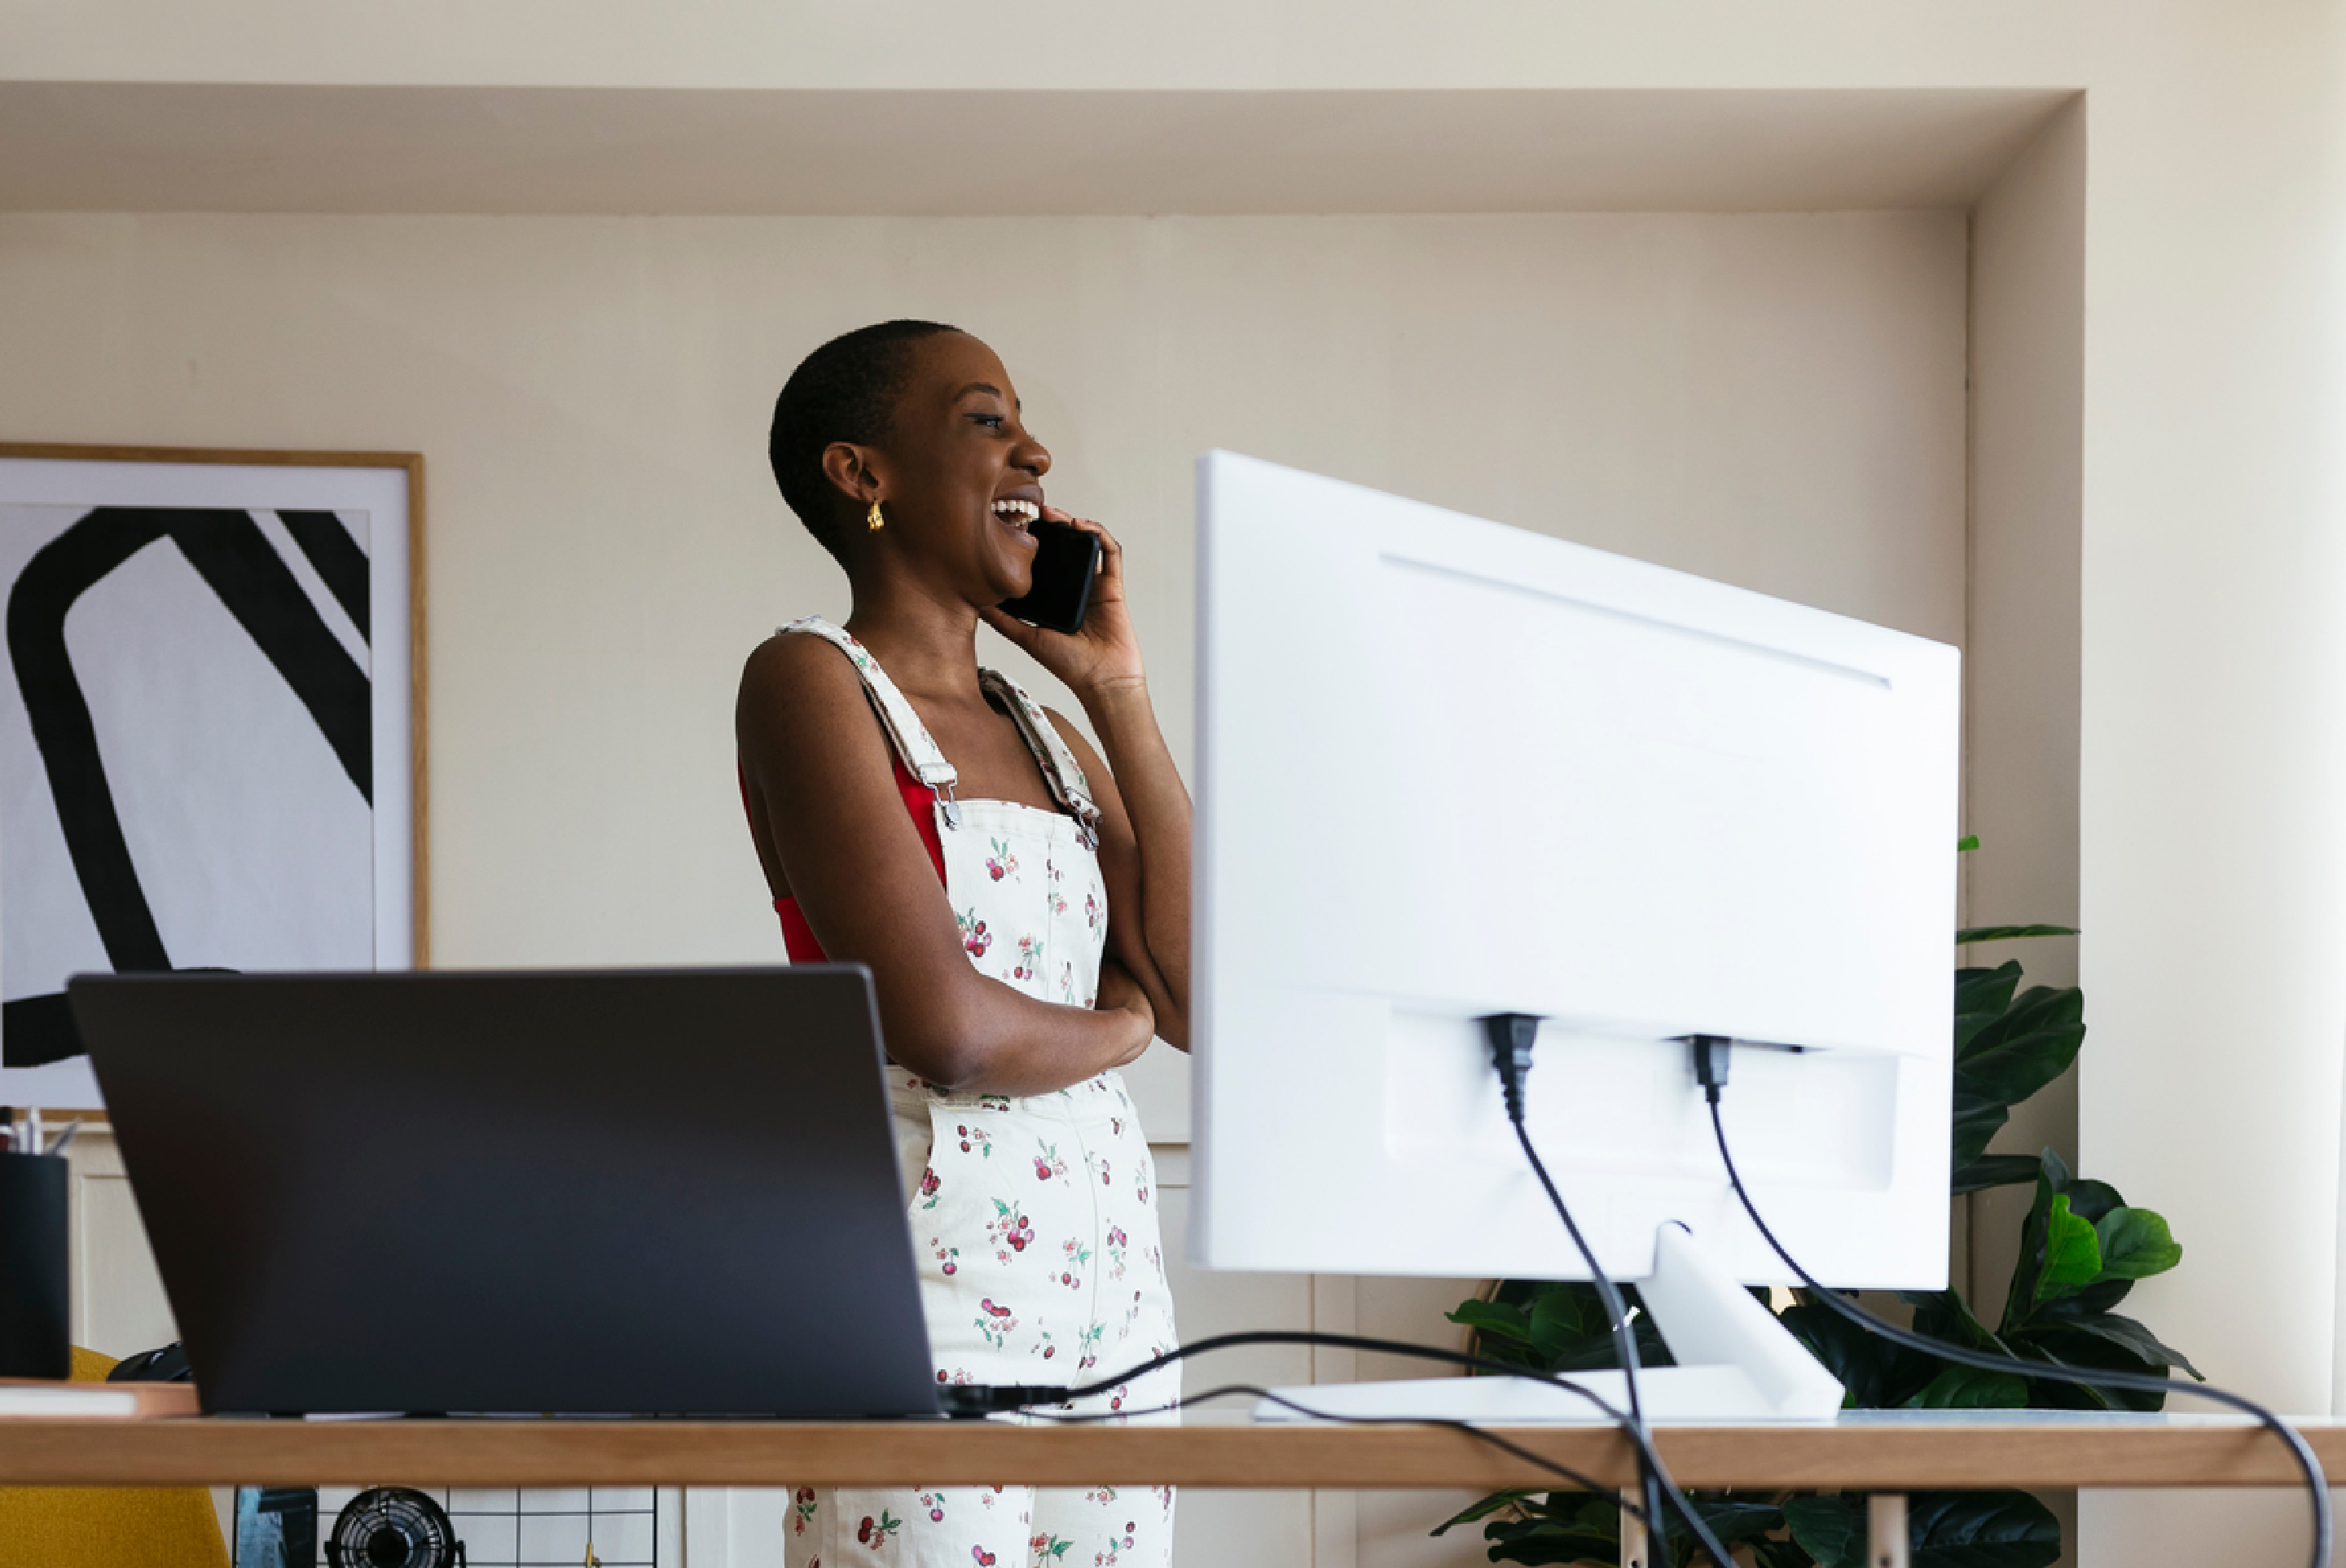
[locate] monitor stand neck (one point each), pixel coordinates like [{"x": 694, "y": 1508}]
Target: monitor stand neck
[{"x": 1736, "y": 1363}]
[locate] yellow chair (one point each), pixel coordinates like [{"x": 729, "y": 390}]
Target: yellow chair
[{"x": 107, "y": 1526}]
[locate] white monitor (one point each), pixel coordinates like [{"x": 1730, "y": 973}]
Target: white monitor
[{"x": 1449, "y": 769}]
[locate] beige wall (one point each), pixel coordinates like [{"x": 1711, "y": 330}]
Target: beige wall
[
  {"x": 1776, "y": 400},
  {"x": 2020, "y": 665},
  {"x": 2020, "y": 676}
]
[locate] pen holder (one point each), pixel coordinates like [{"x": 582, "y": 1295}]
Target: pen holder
[{"x": 33, "y": 1339}]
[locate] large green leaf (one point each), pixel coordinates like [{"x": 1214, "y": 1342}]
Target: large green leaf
[
  {"x": 1982, "y": 997},
  {"x": 1985, "y": 1171},
  {"x": 1570, "y": 1332},
  {"x": 1554, "y": 1327},
  {"x": 2013, "y": 1055},
  {"x": 2020, "y": 1296},
  {"x": 1491, "y": 1321},
  {"x": 1481, "y": 1507},
  {"x": 1734, "y": 1519},
  {"x": 1561, "y": 1327},
  {"x": 1977, "y": 1119},
  {"x": 1543, "y": 1541},
  {"x": 1830, "y": 1527},
  {"x": 2060, "y": 1337},
  {"x": 2135, "y": 1244},
  {"x": 1875, "y": 1374},
  {"x": 2071, "y": 1257},
  {"x": 1943, "y": 1315},
  {"x": 1972, "y": 1388},
  {"x": 1980, "y": 1530},
  {"x": 2009, "y": 933},
  {"x": 1567, "y": 1527},
  {"x": 2088, "y": 1200},
  {"x": 2101, "y": 1295},
  {"x": 1779, "y": 1553},
  {"x": 1943, "y": 1530}
]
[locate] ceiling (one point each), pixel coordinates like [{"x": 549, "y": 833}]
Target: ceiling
[{"x": 162, "y": 148}]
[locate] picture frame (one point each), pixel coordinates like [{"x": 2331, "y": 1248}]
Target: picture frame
[{"x": 143, "y": 836}]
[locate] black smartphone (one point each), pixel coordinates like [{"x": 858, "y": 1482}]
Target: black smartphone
[{"x": 1066, "y": 559}]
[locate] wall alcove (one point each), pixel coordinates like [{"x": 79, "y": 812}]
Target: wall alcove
[{"x": 1825, "y": 345}]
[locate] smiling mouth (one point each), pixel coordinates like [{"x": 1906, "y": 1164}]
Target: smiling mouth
[{"x": 1018, "y": 515}]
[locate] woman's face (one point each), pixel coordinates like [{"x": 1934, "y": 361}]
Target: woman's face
[{"x": 960, "y": 477}]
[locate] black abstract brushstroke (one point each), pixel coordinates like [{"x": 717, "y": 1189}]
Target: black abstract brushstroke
[
  {"x": 227, "y": 549},
  {"x": 40, "y": 1030},
  {"x": 59, "y": 573},
  {"x": 260, "y": 591},
  {"x": 338, "y": 561}
]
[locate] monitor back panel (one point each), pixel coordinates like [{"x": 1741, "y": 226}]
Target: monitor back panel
[
  {"x": 646, "y": 1192},
  {"x": 1633, "y": 802}
]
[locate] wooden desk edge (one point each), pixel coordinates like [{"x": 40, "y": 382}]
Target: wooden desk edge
[{"x": 43, "y": 1451}]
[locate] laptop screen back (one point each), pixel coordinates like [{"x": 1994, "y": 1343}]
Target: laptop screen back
[{"x": 647, "y": 1192}]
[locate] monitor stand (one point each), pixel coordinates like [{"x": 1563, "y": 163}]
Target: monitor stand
[{"x": 1736, "y": 1364}]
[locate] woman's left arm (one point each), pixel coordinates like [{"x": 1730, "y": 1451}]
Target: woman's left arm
[{"x": 1144, "y": 806}]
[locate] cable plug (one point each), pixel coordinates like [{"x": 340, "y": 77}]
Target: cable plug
[
  {"x": 1511, "y": 1035},
  {"x": 1710, "y": 1053},
  {"x": 963, "y": 1401}
]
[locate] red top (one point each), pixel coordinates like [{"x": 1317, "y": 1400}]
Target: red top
[{"x": 798, "y": 937}]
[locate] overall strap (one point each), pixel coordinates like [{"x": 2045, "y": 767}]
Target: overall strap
[
  {"x": 922, "y": 757},
  {"x": 1060, "y": 769}
]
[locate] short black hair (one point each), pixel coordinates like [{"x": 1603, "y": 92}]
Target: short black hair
[{"x": 844, "y": 390}]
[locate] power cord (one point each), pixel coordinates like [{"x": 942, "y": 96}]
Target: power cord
[
  {"x": 1710, "y": 1067},
  {"x": 1502, "y": 1444},
  {"x": 1511, "y": 1036},
  {"x": 1649, "y": 1458}
]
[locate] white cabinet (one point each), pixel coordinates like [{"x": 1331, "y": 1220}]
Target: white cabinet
[{"x": 117, "y": 1303}]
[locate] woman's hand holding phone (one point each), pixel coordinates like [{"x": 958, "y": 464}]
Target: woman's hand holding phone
[{"x": 1105, "y": 653}]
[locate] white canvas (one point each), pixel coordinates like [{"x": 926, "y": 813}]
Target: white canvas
[{"x": 252, "y": 843}]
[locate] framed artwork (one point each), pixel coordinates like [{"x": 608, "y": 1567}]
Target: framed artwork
[{"x": 211, "y": 726}]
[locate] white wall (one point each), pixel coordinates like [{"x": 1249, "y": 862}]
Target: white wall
[{"x": 2213, "y": 653}]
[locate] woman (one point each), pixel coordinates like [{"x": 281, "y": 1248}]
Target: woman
[{"x": 1023, "y": 909}]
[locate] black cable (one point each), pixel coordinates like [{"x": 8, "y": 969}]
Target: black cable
[
  {"x": 1654, "y": 1480},
  {"x": 2317, "y": 1484},
  {"x": 1502, "y": 1444},
  {"x": 1636, "y": 1435},
  {"x": 1330, "y": 1341},
  {"x": 1511, "y": 1036}
]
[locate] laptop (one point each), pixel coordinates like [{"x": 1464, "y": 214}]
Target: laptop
[{"x": 648, "y": 1192}]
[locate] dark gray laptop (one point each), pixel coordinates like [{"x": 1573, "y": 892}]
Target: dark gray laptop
[{"x": 592, "y": 1192}]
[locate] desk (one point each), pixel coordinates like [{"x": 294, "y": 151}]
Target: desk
[
  {"x": 1885, "y": 1454},
  {"x": 1865, "y": 1452}
]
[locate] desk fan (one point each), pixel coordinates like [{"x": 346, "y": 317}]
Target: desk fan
[{"x": 393, "y": 1527}]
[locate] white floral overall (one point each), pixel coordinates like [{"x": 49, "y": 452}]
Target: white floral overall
[{"x": 1033, "y": 1219}]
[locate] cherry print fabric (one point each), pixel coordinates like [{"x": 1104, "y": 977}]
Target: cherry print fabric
[{"x": 1034, "y": 1218}]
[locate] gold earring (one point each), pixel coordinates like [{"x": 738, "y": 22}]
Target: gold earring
[{"x": 872, "y": 520}]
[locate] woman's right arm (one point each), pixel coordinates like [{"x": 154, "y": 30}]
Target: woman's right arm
[{"x": 820, "y": 777}]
